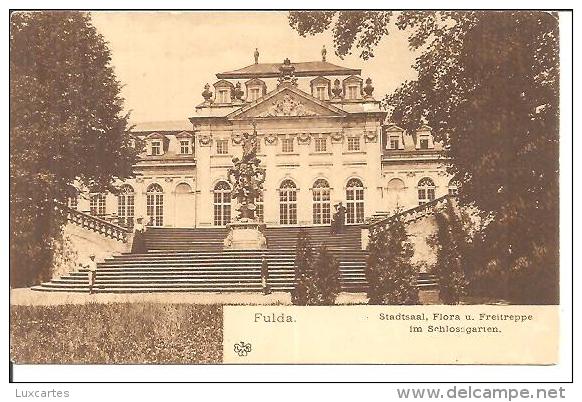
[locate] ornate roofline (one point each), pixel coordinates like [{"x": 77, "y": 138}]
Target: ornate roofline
[
  {"x": 337, "y": 111},
  {"x": 302, "y": 69}
]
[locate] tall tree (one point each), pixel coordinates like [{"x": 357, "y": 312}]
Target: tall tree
[
  {"x": 450, "y": 241},
  {"x": 326, "y": 277},
  {"x": 66, "y": 124},
  {"x": 391, "y": 276},
  {"x": 304, "y": 288},
  {"x": 488, "y": 85}
]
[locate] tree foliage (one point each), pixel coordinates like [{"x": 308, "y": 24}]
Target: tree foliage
[
  {"x": 450, "y": 241},
  {"x": 66, "y": 124},
  {"x": 303, "y": 290},
  {"x": 326, "y": 278},
  {"x": 488, "y": 85},
  {"x": 391, "y": 275},
  {"x": 317, "y": 275}
]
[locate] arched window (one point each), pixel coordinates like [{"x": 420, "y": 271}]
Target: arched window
[
  {"x": 288, "y": 203},
  {"x": 426, "y": 189},
  {"x": 126, "y": 206},
  {"x": 97, "y": 204},
  {"x": 395, "y": 185},
  {"x": 183, "y": 188},
  {"x": 221, "y": 203},
  {"x": 355, "y": 201},
  {"x": 321, "y": 202},
  {"x": 155, "y": 205},
  {"x": 453, "y": 187}
]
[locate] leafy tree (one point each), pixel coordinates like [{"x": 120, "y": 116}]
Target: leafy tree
[
  {"x": 66, "y": 124},
  {"x": 392, "y": 277},
  {"x": 326, "y": 278},
  {"x": 449, "y": 241},
  {"x": 303, "y": 290},
  {"x": 488, "y": 85}
]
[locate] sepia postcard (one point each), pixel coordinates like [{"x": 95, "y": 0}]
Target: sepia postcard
[{"x": 287, "y": 187}]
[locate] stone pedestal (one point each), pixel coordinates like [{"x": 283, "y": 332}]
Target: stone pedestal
[{"x": 245, "y": 235}]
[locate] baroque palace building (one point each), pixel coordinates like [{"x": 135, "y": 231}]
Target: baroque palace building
[{"x": 323, "y": 139}]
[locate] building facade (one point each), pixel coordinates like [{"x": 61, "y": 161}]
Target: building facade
[{"x": 323, "y": 139}]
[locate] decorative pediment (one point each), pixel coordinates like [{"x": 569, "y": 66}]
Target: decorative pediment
[
  {"x": 394, "y": 128},
  {"x": 155, "y": 136},
  {"x": 287, "y": 106},
  {"x": 184, "y": 134},
  {"x": 223, "y": 84},
  {"x": 320, "y": 80},
  {"x": 287, "y": 102}
]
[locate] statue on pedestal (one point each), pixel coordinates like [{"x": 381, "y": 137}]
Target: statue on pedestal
[{"x": 247, "y": 177}]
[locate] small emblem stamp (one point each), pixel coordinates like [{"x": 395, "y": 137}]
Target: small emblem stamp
[{"x": 242, "y": 349}]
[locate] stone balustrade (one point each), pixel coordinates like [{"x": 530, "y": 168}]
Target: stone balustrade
[
  {"x": 410, "y": 215},
  {"x": 96, "y": 224}
]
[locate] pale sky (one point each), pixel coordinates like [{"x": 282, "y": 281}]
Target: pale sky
[{"x": 163, "y": 59}]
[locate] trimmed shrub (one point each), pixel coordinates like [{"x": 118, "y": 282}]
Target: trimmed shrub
[{"x": 390, "y": 273}]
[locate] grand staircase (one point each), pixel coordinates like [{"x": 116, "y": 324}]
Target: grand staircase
[{"x": 192, "y": 260}]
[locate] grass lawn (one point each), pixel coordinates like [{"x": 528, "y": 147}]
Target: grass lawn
[{"x": 116, "y": 333}]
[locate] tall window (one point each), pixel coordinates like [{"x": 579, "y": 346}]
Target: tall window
[
  {"x": 97, "y": 204},
  {"x": 156, "y": 147},
  {"x": 287, "y": 145},
  {"x": 260, "y": 211},
  {"x": 155, "y": 204},
  {"x": 253, "y": 94},
  {"x": 126, "y": 206},
  {"x": 320, "y": 92},
  {"x": 321, "y": 202},
  {"x": 320, "y": 144},
  {"x": 288, "y": 203},
  {"x": 222, "y": 147},
  {"x": 223, "y": 96},
  {"x": 423, "y": 143},
  {"x": 426, "y": 190},
  {"x": 394, "y": 142},
  {"x": 221, "y": 203},
  {"x": 352, "y": 91},
  {"x": 353, "y": 143},
  {"x": 355, "y": 201},
  {"x": 184, "y": 147}
]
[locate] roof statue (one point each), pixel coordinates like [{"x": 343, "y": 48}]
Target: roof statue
[
  {"x": 323, "y": 53},
  {"x": 256, "y": 55}
]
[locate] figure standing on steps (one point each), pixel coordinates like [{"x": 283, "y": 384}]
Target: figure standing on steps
[
  {"x": 265, "y": 276},
  {"x": 138, "y": 245},
  {"x": 341, "y": 216},
  {"x": 339, "y": 219},
  {"x": 92, "y": 267}
]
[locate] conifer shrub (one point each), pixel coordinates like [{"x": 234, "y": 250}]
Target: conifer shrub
[
  {"x": 303, "y": 270},
  {"x": 449, "y": 241},
  {"x": 391, "y": 275},
  {"x": 326, "y": 278},
  {"x": 317, "y": 274}
]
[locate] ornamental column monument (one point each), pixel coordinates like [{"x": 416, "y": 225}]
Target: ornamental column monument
[{"x": 247, "y": 178}]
